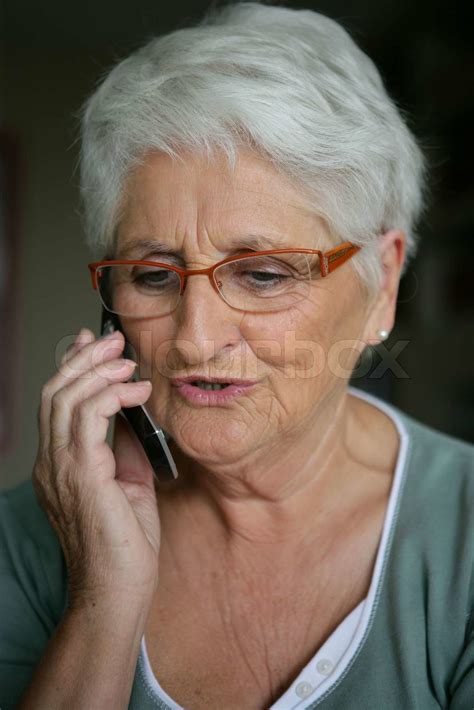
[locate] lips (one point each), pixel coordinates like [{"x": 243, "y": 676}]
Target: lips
[
  {"x": 208, "y": 397},
  {"x": 199, "y": 397},
  {"x": 177, "y": 381}
]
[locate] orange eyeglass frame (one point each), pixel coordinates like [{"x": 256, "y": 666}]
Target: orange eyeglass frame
[{"x": 329, "y": 262}]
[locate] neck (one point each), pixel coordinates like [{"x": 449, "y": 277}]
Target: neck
[{"x": 279, "y": 499}]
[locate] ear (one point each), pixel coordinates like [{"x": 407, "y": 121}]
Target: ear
[{"x": 392, "y": 246}]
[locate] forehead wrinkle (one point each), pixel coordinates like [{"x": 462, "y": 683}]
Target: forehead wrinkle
[
  {"x": 150, "y": 239},
  {"x": 208, "y": 210},
  {"x": 263, "y": 189},
  {"x": 256, "y": 241}
]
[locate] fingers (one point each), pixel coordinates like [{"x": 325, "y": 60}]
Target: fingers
[
  {"x": 65, "y": 400},
  {"x": 89, "y": 387},
  {"x": 84, "y": 337},
  {"x": 90, "y": 418},
  {"x": 87, "y": 353}
]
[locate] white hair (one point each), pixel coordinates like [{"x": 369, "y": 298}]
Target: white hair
[{"x": 290, "y": 84}]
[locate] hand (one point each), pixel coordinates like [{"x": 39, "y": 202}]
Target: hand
[{"x": 101, "y": 504}]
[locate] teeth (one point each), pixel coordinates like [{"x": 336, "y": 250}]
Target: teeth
[{"x": 210, "y": 385}]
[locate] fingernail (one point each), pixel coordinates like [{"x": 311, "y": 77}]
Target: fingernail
[
  {"x": 130, "y": 362},
  {"x": 111, "y": 335},
  {"x": 79, "y": 335}
]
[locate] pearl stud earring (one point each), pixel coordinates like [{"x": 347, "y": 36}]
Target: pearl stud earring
[{"x": 383, "y": 334}]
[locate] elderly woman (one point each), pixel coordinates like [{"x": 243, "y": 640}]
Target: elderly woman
[{"x": 252, "y": 191}]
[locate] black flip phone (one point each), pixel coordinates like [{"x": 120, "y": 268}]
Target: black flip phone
[{"x": 151, "y": 436}]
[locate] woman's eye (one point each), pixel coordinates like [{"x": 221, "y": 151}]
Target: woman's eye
[
  {"x": 152, "y": 278},
  {"x": 267, "y": 276},
  {"x": 263, "y": 280}
]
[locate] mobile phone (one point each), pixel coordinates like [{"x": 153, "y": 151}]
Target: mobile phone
[{"x": 151, "y": 436}]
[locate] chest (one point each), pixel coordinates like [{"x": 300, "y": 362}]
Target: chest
[
  {"x": 244, "y": 652},
  {"x": 249, "y": 668}
]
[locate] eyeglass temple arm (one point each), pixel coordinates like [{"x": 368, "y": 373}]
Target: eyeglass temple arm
[{"x": 337, "y": 256}]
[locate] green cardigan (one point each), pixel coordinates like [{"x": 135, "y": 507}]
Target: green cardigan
[{"x": 417, "y": 651}]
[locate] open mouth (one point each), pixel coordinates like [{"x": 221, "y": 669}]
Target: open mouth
[{"x": 210, "y": 385}]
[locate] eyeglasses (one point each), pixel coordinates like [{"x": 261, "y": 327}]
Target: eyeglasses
[{"x": 269, "y": 280}]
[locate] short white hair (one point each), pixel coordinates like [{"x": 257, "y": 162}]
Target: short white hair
[{"x": 290, "y": 84}]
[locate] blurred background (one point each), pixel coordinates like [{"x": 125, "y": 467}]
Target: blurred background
[{"x": 52, "y": 56}]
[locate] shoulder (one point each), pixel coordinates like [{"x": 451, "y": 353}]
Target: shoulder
[
  {"x": 435, "y": 476},
  {"x": 433, "y": 454},
  {"x": 33, "y": 589},
  {"x": 29, "y": 549},
  {"x": 438, "y": 457},
  {"x": 21, "y": 507},
  {"x": 439, "y": 473},
  {"x": 436, "y": 504}
]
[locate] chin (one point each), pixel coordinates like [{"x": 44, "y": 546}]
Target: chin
[{"x": 212, "y": 440}]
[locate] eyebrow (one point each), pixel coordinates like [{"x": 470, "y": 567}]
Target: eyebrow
[{"x": 249, "y": 242}]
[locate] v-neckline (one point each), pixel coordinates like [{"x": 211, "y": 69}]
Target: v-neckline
[{"x": 357, "y": 623}]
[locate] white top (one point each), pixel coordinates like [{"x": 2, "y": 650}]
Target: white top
[{"x": 333, "y": 657}]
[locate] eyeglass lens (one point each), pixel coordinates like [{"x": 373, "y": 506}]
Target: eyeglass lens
[{"x": 253, "y": 283}]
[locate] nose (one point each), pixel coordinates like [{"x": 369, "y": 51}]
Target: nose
[{"x": 206, "y": 328}]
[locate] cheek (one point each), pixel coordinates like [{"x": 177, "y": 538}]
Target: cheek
[
  {"x": 316, "y": 341},
  {"x": 291, "y": 344},
  {"x": 342, "y": 330}
]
